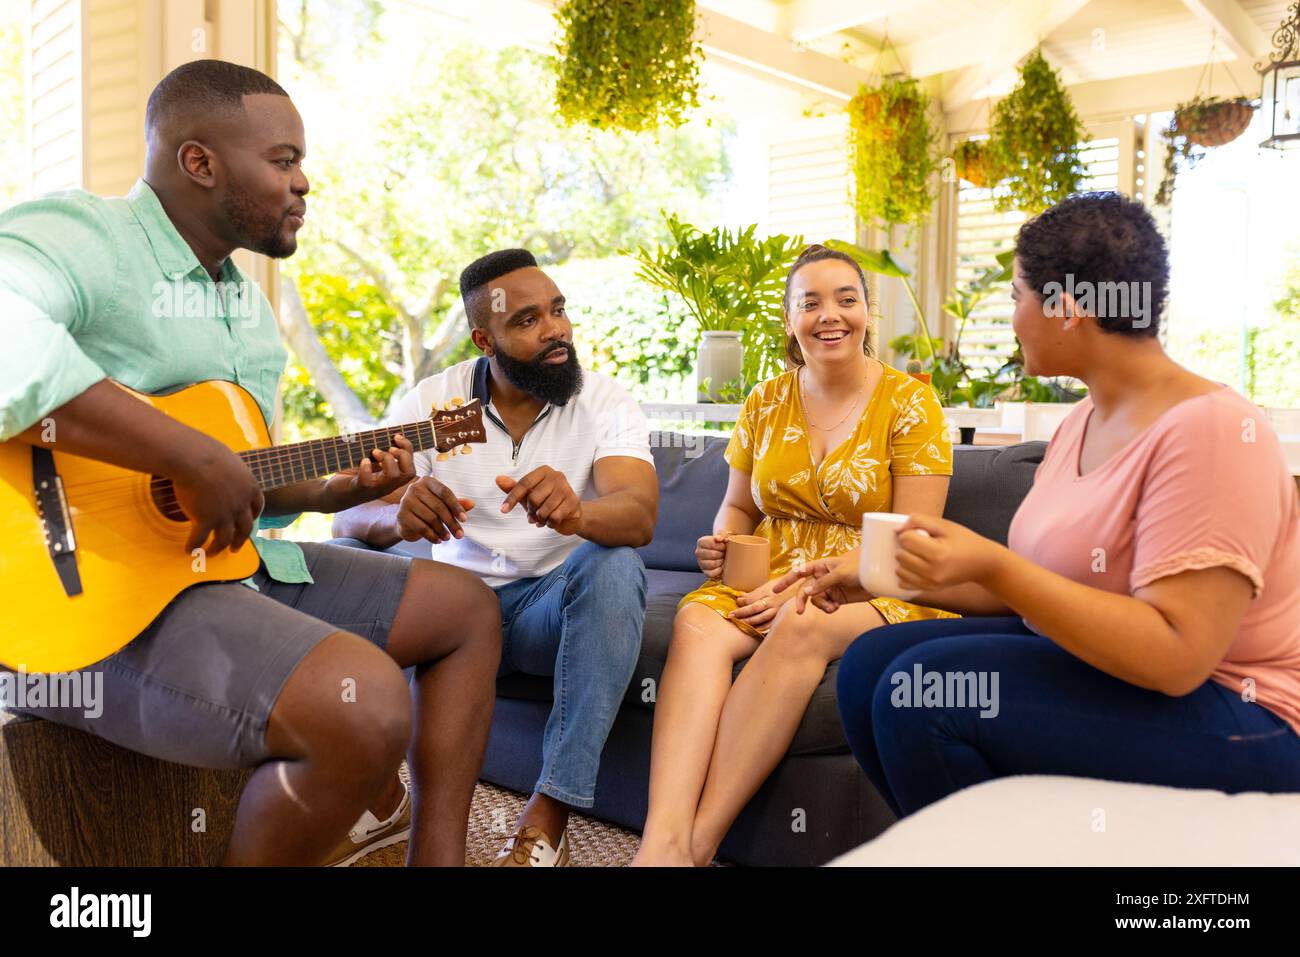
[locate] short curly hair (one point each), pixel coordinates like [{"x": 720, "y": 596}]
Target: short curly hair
[{"x": 1103, "y": 245}]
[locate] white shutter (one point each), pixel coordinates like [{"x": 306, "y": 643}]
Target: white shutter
[
  {"x": 982, "y": 233},
  {"x": 808, "y": 183},
  {"x": 55, "y": 112},
  {"x": 116, "y": 92}
]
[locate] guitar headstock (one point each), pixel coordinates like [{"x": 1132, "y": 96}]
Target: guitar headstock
[{"x": 460, "y": 426}]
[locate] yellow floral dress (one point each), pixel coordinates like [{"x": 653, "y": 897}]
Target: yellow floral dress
[{"x": 817, "y": 513}]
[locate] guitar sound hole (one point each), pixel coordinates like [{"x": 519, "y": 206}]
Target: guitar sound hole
[{"x": 164, "y": 499}]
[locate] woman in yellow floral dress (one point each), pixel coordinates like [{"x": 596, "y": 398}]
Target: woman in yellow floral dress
[{"x": 814, "y": 448}]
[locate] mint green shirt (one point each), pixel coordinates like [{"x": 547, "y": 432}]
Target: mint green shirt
[{"x": 94, "y": 288}]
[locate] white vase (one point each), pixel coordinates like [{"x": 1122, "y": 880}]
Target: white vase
[{"x": 720, "y": 361}]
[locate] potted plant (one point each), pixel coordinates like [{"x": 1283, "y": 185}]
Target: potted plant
[
  {"x": 893, "y": 152},
  {"x": 1202, "y": 123},
  {"x": 629, "y": 66},
  {"x": 1034, "y": 139},
  {"x": 974, "y": 162},
  {"x": 732, "y": 282}
]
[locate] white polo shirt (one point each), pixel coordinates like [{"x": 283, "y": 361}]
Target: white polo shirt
[{"x": 600, "y": 421}]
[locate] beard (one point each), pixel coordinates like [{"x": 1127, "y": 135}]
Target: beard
[
  {"x": 556, "y": 384},
  {"x": 256, "y": 230}
]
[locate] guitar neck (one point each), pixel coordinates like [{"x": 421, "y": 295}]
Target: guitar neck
[{"x": 282, "y": 465}]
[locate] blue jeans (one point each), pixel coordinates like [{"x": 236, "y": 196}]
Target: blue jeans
[
  {"x": 1052, "y": 714},
  {"x": 581, "y": 625}
]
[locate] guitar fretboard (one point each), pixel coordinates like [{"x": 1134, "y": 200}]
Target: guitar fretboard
[{"x": 282, "y": 465}]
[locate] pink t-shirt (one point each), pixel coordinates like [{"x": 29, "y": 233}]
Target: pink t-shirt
[{"x": 1205, "y": 485}]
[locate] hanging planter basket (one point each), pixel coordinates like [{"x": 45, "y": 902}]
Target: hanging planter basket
[
  {"x": 973, "y": 162},
  {"x": 1197, "y": 126},
  {"x": 1213, "y": 122},
  {"x": 898, "y": 115},
  {"x": 1034, "y": 135},
  {"x": 892, "y": 152}
]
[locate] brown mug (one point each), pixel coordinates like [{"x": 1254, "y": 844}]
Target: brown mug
[{"x": 747, "y": 562}]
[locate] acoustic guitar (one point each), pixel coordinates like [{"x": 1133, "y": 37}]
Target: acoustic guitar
[{"x": 90, "y": 553}]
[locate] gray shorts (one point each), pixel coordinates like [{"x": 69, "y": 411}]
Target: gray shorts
[{"x": 197, "y": 686}]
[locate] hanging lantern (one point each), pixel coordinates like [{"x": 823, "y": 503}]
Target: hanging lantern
[{"x": 1281, "y": 91}]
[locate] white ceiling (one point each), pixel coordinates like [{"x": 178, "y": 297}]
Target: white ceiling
[
  {"x": 974, "y": 45},
  {"x": 966, "y": 51}
]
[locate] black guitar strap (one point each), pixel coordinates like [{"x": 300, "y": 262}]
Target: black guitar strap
[{"x": 56, "y": 519}]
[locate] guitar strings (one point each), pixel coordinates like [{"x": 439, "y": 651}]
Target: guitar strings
[
  {"x": 269, "y": 459},
  {"x": 283, "y": 458}
]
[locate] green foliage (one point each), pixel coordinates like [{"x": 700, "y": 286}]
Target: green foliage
[
  {"x": 625, "y": 329},
  {"x": 730, "y": 281},
  {"x": 1034, "y": 139},
  {"x": 352, "y": 320},
  {"x": 627, "y": 65},
  {"x": 893, "y": 151}
]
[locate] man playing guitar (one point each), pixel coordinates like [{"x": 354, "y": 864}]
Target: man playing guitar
[{"x": 298, "y": 671}]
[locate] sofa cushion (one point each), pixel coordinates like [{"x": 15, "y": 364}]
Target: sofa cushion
[
  {"x": 988, "y": 485},
  {"x": 692, "y": 480}
]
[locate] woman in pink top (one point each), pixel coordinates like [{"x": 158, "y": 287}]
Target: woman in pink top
[{"x": 1153, "y": 569}]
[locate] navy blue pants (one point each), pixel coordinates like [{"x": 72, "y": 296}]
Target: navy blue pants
[{"x": 931, "y": 707}]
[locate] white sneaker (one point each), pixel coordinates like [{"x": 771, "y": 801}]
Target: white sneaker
[{"x": 530, "y": 848}]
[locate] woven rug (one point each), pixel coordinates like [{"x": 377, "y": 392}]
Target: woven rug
[{"x": 492, "y": 819}]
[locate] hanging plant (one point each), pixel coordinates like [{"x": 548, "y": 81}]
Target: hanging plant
[
  {"x": 630, "y": 66},
  {"x": 974, "y": 162},
  {"x": 1203, "y": 123},
  {"x": 893, "y": 152},
  {"x": 1034, "y": 140}
]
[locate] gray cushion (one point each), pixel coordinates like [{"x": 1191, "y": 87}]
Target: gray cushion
[
  {"x": 988, "y": 485},
  {"x": 692, "y": 480}
]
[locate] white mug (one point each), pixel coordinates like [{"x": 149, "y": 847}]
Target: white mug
[{"x": 878, "y": 556}]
